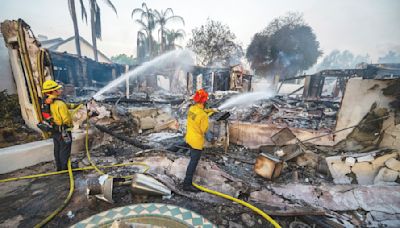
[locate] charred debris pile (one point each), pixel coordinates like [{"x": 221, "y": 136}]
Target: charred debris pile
[
  {"x": 12, "y": 127},
  {"x": 351, "y": 156},
  {"x": 316, "y": 158},
  {"x": 295, "y": 180}
]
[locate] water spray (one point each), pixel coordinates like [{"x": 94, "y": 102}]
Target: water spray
[
  {"x": 245, "y": 99},
  {"x": 178, "y": 58}
]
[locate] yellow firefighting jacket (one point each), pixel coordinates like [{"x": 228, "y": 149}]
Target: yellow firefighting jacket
[
  {"x": 196, "y": 127},
  {"x": 60, "y": 112}
]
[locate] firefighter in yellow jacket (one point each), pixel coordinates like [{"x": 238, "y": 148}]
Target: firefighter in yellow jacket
[
  {"x": 196, "y": 128},
  {"x": 61, "y": 122}
]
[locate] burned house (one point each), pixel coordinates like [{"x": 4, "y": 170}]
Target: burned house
[
  {"x": 83, "y": 72},
  {"x": 331, "y": 83},
  {"x": 213, "y": 79},
  {"x": 32, "y": 65},
  {"x": 311, "y": 160}
]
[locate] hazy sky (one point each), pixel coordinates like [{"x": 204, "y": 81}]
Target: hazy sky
[{"x": 361, "y": 26}]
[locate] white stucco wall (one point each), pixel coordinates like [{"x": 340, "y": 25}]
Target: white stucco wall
[
  {"x": 86, "y": 50},
  {"x": 6, "y": 76},
  {"x": 358, "y": 98}
]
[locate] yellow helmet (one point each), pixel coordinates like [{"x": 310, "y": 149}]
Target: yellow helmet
[{"x": 50, "y": 85}]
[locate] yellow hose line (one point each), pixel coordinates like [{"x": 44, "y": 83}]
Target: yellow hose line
[
  {"x": 87, "y": 146},
  {"x": 255, "y": 209},
  {"x": 90, "y": 159},
  {"x": 76, "y": 109},
  {"x": 75, "y": 170},
  {"x": 66, "y": 201}
]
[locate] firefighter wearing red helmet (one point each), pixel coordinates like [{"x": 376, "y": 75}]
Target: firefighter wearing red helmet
[{"x": 196, "y": 128}]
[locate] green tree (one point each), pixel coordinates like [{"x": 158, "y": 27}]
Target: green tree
[
  {"x": 162, "y": 18},
  {"x": 286, "y": 47},
  {"x": 214, "y": 43},
  {"x": 141, "y": 45},
  {"x": 124, "y": 59},
  {"x": 147, "y": 22}
]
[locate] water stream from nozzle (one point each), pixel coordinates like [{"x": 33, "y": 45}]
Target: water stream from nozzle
[
  {"x": 245, "y": 99},
  {"x": 178, "y": 58}
]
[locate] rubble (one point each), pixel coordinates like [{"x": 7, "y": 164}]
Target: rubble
[
  {"x": 248, "y": 220},
  {"x": 282, "y": 152},
  {"x": 386, "y": 175},
  {"x": 350, "y": 161},
  {"x": 309, "y": 159},
  {"x": 364, "y": 168},
  {"x": 344, "y": 197},
  {"x": 268, "y": 166},
  {"x": 13, "y": 130},
  {"x": 339, "y": 170},
  {"x": 380, "y": 161},
  {"x": 365, "y": 172},
  {"x": 393, "y": 164},
  {"x": 368, "y": 158}
]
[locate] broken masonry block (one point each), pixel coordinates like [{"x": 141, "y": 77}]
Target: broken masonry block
[
  {"x": 386, "y": 175},
  {"x": 368, "y": 158},
  {"x": 393, "y": 164},
  {"x": 365, "y": 172},
  {"x": 350, "y": 161}
]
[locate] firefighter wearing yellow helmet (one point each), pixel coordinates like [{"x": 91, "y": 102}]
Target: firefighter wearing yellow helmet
[{"x": 60, "y": 120}]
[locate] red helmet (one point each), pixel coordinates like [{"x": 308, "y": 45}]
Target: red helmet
[{"x": 201, "y": 96}]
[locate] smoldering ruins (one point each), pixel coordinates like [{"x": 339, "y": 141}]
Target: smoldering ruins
[{"x": 323, "y": 153}]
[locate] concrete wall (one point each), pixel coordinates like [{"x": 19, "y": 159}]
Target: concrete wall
[
  {"x": 21, "y": 156},
  {"x": 357, "y": 100},
  {"x": 86, "y": 50},
  {"x": 27, "y": 111},
  {"x": 6, "y": 77},
  {"x": 254, "y": 135}
]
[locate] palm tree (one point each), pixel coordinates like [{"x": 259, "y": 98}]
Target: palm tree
[
  {"x": 141, "y": 44},
  {"x": 173, "y": 35},
  {"x": 71, "y": 6},
  {"x": 162, "y": 18},
  {"x": 146, "y": 20},
  {"x": 95, "y": 23}
]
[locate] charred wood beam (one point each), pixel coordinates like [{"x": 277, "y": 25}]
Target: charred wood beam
[
  {"x": 131, "y": 141},
  {"x": 297, "y": 90},
  {"x": 321, "y": 222}
]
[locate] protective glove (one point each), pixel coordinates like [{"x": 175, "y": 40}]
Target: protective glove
[{"x": 211, "y": 111}]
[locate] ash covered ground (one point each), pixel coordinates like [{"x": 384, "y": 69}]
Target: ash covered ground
[{"x": 24, "y": 203}]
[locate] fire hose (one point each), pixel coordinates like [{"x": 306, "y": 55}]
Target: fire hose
[
  {"x": 93, "y": 166},
  {"x": 66, "y": 201},
  {"x": 202, "y": 188}
]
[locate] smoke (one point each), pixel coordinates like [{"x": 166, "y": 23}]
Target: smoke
[
  {"x": 342, "y": 60},
  {"x": 287, "y": 65}
]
